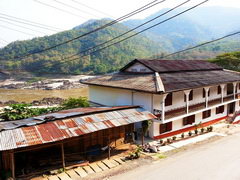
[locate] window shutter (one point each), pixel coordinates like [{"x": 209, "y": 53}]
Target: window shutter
[
  {"x": 162, "y": 128},
  {"x": 169, "y": 126}
]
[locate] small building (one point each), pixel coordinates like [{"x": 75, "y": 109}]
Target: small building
[
  {"x": 64, "y": 138},
  {"x": 183, "y": 94}
]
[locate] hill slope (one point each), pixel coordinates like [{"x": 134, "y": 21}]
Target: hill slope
[
  {"x": 198, "y": 25},
  {"x": 107, "y": 60}
]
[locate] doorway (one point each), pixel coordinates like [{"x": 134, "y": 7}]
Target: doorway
[{"x": 231, "y": 108}]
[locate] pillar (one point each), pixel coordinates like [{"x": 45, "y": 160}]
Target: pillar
[
  {"x": 234, "y": 90},
  {"x": 187, "y": 92},
  {"x": 163, "y": 107},
  {"x": 206, "y": 95},
  {"x": 12, "y": 164},
  {"x": 222, "y": 91},
  {"x": 63, "y": 156}
]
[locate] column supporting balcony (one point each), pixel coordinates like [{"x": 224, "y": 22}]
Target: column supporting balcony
[
  {"x": 187, "y": 92},
  {"x": 206, "y": 95},
  {"x": 222, "y": 91},
  {"x": 234, "y": 90},
  {"x": 163, "y": 107}
]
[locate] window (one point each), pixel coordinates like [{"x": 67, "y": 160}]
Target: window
[
  {"x": 206, "y": 114},
  {"x": 134, "y": 70},
  {"x": 219, "y": 109},
  {"x": 188, "y": 120},
  {"x": 204, "y": 93},
  {"x": 165, "y": 127},
  {"x": 168, "y": 100},
  {"x": 190, "y": 96},
  {"x": 219, "y": 90}
]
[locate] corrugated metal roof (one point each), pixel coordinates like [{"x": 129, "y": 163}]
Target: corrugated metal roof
[
  {"x": 174, "y": 81},
  {"x": 57, "y": 130},
  {"x": 163, "y": 66}
]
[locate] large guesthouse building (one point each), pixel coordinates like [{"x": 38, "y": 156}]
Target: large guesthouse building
[{"x": 183, "y": 94}]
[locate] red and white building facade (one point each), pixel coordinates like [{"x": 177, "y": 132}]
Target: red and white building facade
[{"x": 183, "y": 94}]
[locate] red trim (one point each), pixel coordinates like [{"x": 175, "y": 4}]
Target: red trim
[{"x": 188, "y": 129}]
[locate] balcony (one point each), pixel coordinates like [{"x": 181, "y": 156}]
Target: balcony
[{"x": 196, "y": 107}]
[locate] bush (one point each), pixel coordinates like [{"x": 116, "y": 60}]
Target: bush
[
  {"x": 75, "y": 102},
  {"x": 22, "y": 111}
]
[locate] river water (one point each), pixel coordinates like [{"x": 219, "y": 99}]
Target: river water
[{"x": 28, "y": 95}]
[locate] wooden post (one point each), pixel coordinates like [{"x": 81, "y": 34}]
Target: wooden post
[
  {"x": 109, "y": 150},
  {"x": 12, "y": 164},
  {"x": 142, "y": 137},
  {"x": 63, "y": 157}
]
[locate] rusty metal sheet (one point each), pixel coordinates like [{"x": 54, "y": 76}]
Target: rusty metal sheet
[{"x": 56, "y": 130}]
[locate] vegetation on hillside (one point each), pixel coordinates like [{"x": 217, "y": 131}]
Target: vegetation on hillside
[
  {"x": 228, "y": 60},
  {"x": 108, "y": 60}
]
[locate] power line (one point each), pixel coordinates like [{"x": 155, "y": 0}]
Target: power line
[
  {"x": 139, "y": 31},
  {"x": 92, "y": 48},
  {"x": 31, "y": 23},
  {"x": 6, "y": 27},
  {"x": 143, "y": 8},
  {"x": 67, "y": 5},
  {"x": 91, "y": 8},
  {"x": 22, "y": 26},
  {"x": 202, "y": 44},
  {"x": 63, "y": 10},
  {"x": 4, "y": 40}
]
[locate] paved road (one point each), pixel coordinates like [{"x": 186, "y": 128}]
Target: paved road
[{"x": 218, "y": 160}]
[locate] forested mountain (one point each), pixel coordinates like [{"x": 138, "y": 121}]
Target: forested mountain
[
  {"x": 207, "y": 51},
  {"x": 198, "y": 25},
  {"x": 187, "y": 30},
  {"x": 105, "y": 61}
]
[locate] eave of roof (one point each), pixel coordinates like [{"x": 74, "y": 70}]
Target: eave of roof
[{"x": 172, "y": 82}]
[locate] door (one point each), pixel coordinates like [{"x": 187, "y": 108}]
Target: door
[{"x": 231, "y": 108}]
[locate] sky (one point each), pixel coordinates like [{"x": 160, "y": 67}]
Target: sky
[{"x": 71, "y": 13}]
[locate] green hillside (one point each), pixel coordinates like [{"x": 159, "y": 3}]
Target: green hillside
[{"x": 105, "y": 61}]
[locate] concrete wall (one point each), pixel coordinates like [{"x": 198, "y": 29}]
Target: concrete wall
[{"x": 110, "y": 96}]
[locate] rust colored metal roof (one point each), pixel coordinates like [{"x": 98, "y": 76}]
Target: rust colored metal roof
[
  {"x": 139, "y": 82},
  {"x": 174, "y": 81},
  {"x": 189, "y": 80},
  {"x": 164, "y": 66},
  {"x": 72, "y": 126}
]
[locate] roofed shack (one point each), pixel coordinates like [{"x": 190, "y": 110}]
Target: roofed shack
[{"x": 65, "y": 138}]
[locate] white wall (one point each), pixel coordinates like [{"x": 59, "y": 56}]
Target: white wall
[
  {"x": 110, "y": 96},
  {"x": 137, "y": 67}
]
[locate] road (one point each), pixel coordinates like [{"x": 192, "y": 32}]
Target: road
[{"x": 218, "y": 160}]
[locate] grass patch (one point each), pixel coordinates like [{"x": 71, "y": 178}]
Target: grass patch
[{"x": 160, "y": 156}]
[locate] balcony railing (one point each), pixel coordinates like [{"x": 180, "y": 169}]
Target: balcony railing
[{"x": 196, "y": 107}]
